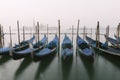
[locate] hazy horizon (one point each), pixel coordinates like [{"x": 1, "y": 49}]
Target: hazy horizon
[{"x": 68, "y": 11}]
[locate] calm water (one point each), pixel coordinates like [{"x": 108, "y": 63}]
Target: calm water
[{"x": 103, "y": 68}]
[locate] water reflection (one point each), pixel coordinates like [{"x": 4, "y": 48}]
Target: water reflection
[
  {"x": 4, "y": 59},
  {"x": 115, "y": 61},
  {"x": 89, "y": 66},
  {"x": 43, "y": 65},
  {"x": 66, "y": 68},
  {"x": 25, "y": 63}
]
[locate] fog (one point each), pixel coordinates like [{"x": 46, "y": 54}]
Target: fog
[{"x": 68, "y": 11}]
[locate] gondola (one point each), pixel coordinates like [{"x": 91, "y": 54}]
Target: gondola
[
  {"x": 23, "y": 45},
  {"x": 33, "y": 48},
  {"x": 93, "y": 43},
  {"x": 114, "y": 42},
  {"x": 104, "y": 48},
  {"x": 111, "y": 40},
  {"x": 26, "y": 42},
  {"x": 84, "y": 49},
  {"x": 67, "y": 48},
  {"x": 49, "y": 51}
]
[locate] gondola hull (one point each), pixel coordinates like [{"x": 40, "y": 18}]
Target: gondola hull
[
  {"x": 47, "y": 54},
  {"x": 67, "y": 54},
  {"x": 50, "y": 50},
  {"x": 4, "y": 51},
  {"x": 84, "y": 49},
  {"x": 87, "y": 57},
  {"x": 33, "y": 48},
  {"x": 67, "y": 48},
  {"x": 106, "y": 50}
]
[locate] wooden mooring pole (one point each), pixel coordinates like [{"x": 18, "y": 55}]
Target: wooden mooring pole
[
  {"x": 77, "y": 35},
  {"x": 84, "y": 33},
  {"x": 38, "y": 30},
  {"x": 78, "y": 28},
  {"x": 36, "y": 33},
  {"x": 118, "y": 29},
  {"x": 107, "y": 33},
  {"x": 98, "y": 35},
  {"x": 0, "y": 36},
  {"x": 91, "y": 33},
  {"x": 10, "y": 36},
  {"x": 72, "y": 32},
  {"x": 59, "y": 38},
  {"x": 23, "y": 33},
  {"x": 3, "y": 43},
  {"x": 47, "y": 33},
  {"x": 18, "y": 32},
  {"x": 30, "y": 32}
]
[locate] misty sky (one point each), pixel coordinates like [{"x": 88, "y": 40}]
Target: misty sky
[{"x": 68, "y": 11}]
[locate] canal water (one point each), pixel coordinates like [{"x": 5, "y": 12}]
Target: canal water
[{"x": 103, "y": 67}]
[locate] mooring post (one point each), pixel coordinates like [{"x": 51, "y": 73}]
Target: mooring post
[
  {"x": 18, "y": 32},
  {"x": 47, "y": 33},
  {"x": 3, "y": 43},
  {"x": 72, "y": 32},
  {"x": 10, "y": 36},
  {"x": 78, "y": 28},
  {"x": 0, "y": 36},
  {"x": 119, "y": 34},
  {"x": 98, "y": 35},
  {"x": 30, "y": 31},
  {"x": 77, "y": 35},
  {"x": 84, "y": 33},
  {"x": 59, "y": 38},
  {"x": 35, "y": 30},
  {"x": 38, "y": 30},
  {"x": 118, "y": 28},
  {"x": 107, "y": 33},
  {"x": 91, "y": 33},
  {"x": 23, "y": 33}
]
